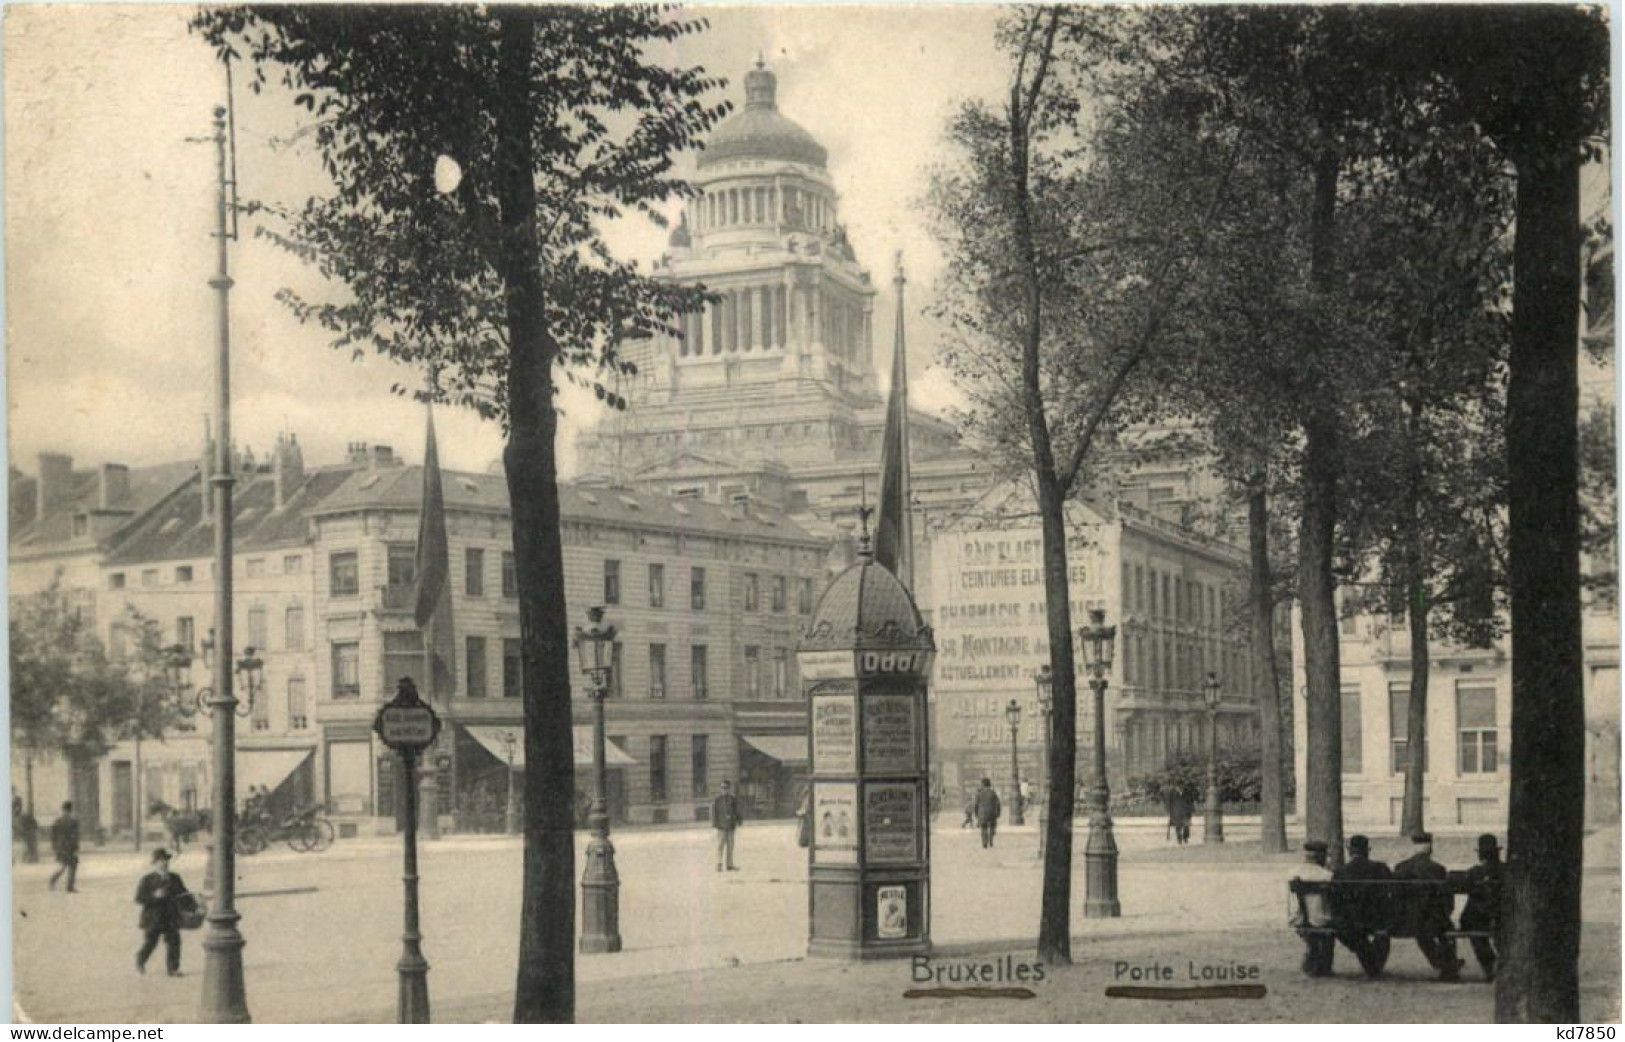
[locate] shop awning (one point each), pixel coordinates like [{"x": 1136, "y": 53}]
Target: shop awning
[
  {"x": 268, "y": 767},
  {"x": 786, "y": 748},
  {"x": 496, "y": 738}
]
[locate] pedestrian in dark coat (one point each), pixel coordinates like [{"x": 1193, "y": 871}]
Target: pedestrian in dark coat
[
  {"x": 160, "y": 895},
  {"x": 1362, "y": 908},
  {"x": 1426, "y": 910},
  {"x": 987, "y": 811},
  {"x": 1483, "y": 908},
  {"x": 725, "y": 818},
  {"x": 65, "y": 845},
  {"x": 1179, "y": 815}
]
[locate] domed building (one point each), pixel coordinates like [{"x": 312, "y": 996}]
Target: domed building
[{"x": 770, "y": 394}]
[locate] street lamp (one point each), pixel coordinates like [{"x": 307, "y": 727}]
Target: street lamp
[
  {"x": 1212, "y": 813},
  {"x": 1100, "y": 854},
  {"x": 1012, "y": 716},
  {"x": 1044, "y": 681},
  {"x": 600, "y": 884},
  {"x": 510, "y": 743}
]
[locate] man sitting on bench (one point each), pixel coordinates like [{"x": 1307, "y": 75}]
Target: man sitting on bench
[
  {"x": 1483, "y": 909},
  {"x": 1362, "y": 909},
  {"x": 1315, "y": 918},
  {"x": 1425, "y": 911}
]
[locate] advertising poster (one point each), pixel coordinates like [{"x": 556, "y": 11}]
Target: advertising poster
[
  {"x": 834, "y": 734},
  {"x": 891, "y": 740},
  {"x": 835, "y": 823},
  {"x": 891, "y": 912},
  {"x": 891, "y": 822}
]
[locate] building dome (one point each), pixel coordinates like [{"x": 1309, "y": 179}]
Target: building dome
[
  {"x": 759, "y": 131},
  {"x": 866, "y": 608}
]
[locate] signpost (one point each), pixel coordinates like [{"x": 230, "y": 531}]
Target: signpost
[{"x": 408, "y": 725}]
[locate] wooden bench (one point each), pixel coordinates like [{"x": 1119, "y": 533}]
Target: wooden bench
[{"x": 1393, "y": 914}]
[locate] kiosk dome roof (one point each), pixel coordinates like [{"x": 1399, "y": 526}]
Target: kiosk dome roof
[{"x": 867, "y": 608}]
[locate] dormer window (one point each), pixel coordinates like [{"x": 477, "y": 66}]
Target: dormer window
[{"x": 81, "y": 525}]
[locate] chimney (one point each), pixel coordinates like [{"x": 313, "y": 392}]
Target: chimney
[
  {"x": 356, "y": 452},
  {"x": 383, "y": 456},
  {"x": 55, "y": 475},
  {"x": 287, "y": 468},
  {"x": 114, "y": 486},
  {"x": 206, "y": 472}
]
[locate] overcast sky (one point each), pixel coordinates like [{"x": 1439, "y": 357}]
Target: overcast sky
[{"x": 109, "y": 210}]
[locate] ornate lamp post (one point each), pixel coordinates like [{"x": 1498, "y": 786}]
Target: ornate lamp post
[
  {"x": 1044, "y": 681},
  {"x": 600, "y": 884},
  {"x": 1100, "y": 854},
  {"x": 1212, "y": 812},
  {"x": 1012, "y": 715},
  {"x": 250, "y": 670}
]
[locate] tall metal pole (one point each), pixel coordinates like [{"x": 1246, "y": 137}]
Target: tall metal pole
[
  {"x": 1212, "y": 812},
  {"x": 135, "y": 779},
  {"x": 412, "y": 1004},
  {"x": 1044, "y": 783},
  {"x": 224, "y": 1000},
  {"x": 1100, "y": 854},
  {"x": 600, "y": 883},
  {"x": 512, "y": 815}
]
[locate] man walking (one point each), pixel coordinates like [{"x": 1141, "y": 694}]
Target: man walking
[
  {"x": 725, "y": 818},
  {"x": 1483, "y": 909},
  {"x": 65, "y": 845},
  {"x": 1427, "y": 909},
  {"x": 160, "y": 894},
  {"x": 987, "y": 811},
  {"x": 1315, "y": 915}
]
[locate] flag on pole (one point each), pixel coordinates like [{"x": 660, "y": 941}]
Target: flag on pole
[
  {"x": 894, "y": 537},
  {"x": 432, "y": 583}
]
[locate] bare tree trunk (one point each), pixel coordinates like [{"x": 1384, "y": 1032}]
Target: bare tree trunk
[
  {"x": 1418, "y": 607},
  {"x": 1538, "y": 981},
  {"x": 545, "y": 988},
  {"x": 1266, "y": 686},
  {"x": 1317, "y": 586}
]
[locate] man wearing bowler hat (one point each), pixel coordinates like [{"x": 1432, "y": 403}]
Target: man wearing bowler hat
[
  {"x": 160, "y": 895},
  {"x": 1426, "y": 909},
  {"x": 1362, "y": 906},
  {"x": 1483, "y": 908}
]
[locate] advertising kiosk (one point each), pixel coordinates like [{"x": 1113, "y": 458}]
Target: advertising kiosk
[{"x": 865, "y": 663}]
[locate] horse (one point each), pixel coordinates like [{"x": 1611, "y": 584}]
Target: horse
[{"x": 181, "y": 825}]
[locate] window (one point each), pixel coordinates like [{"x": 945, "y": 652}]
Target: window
[
  {"x": 510, "y": 575},
  {"x": 699, "y": 760},
  {"x": 781, "y": 594},
  {"x": 1353, "y": 763},
  {"x": 256, "y": 627},
  {"x": 403, "y": 564},
  {"x": 347, "y": 670},
  {"x": 118, "y": 642},
  {"x": 804, "y": 602},
  {"x": 657, "y": 586},
  {"x": 81, "y": 524},
  {"x": 474, "y": 666},
  {"x": 616, "y": 673},
  {"x": 149, "y": 577},
  {"x": 298, "y": 713},
  {"x": 657, "y": 671},
  {"x": 293, "y": 627},
  {"x": 753, "y": 673},
  {"x": 1399, "y": 708},
  {"x": 1153, "y": 608},
  {"x": 183, "y": 574},
  {"x": 259, "y": 712},
  {"x": 753, "y": 593},
  {"x": 474, "y": 571},
  {"x": 696, "y": 589},
  {"x": 781, "y": 673},
  {"x": 512, "y": 669},
  {"x": 115, "y": 581},
  {"x": 403, "y": 657},
  {"x": 293, "y": 564},
  {"x": 256, "y": 567},
  {"x": 1475, "y": 728},
  {"x": 699, "y": 665},
  {"x": 612, "y": 582},
  {"x": 1128, "y": 587},
  {"x": 657, "y": 768},
  {"x": 185, "y": 631},
  {"x": 344, "y": 578}
]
